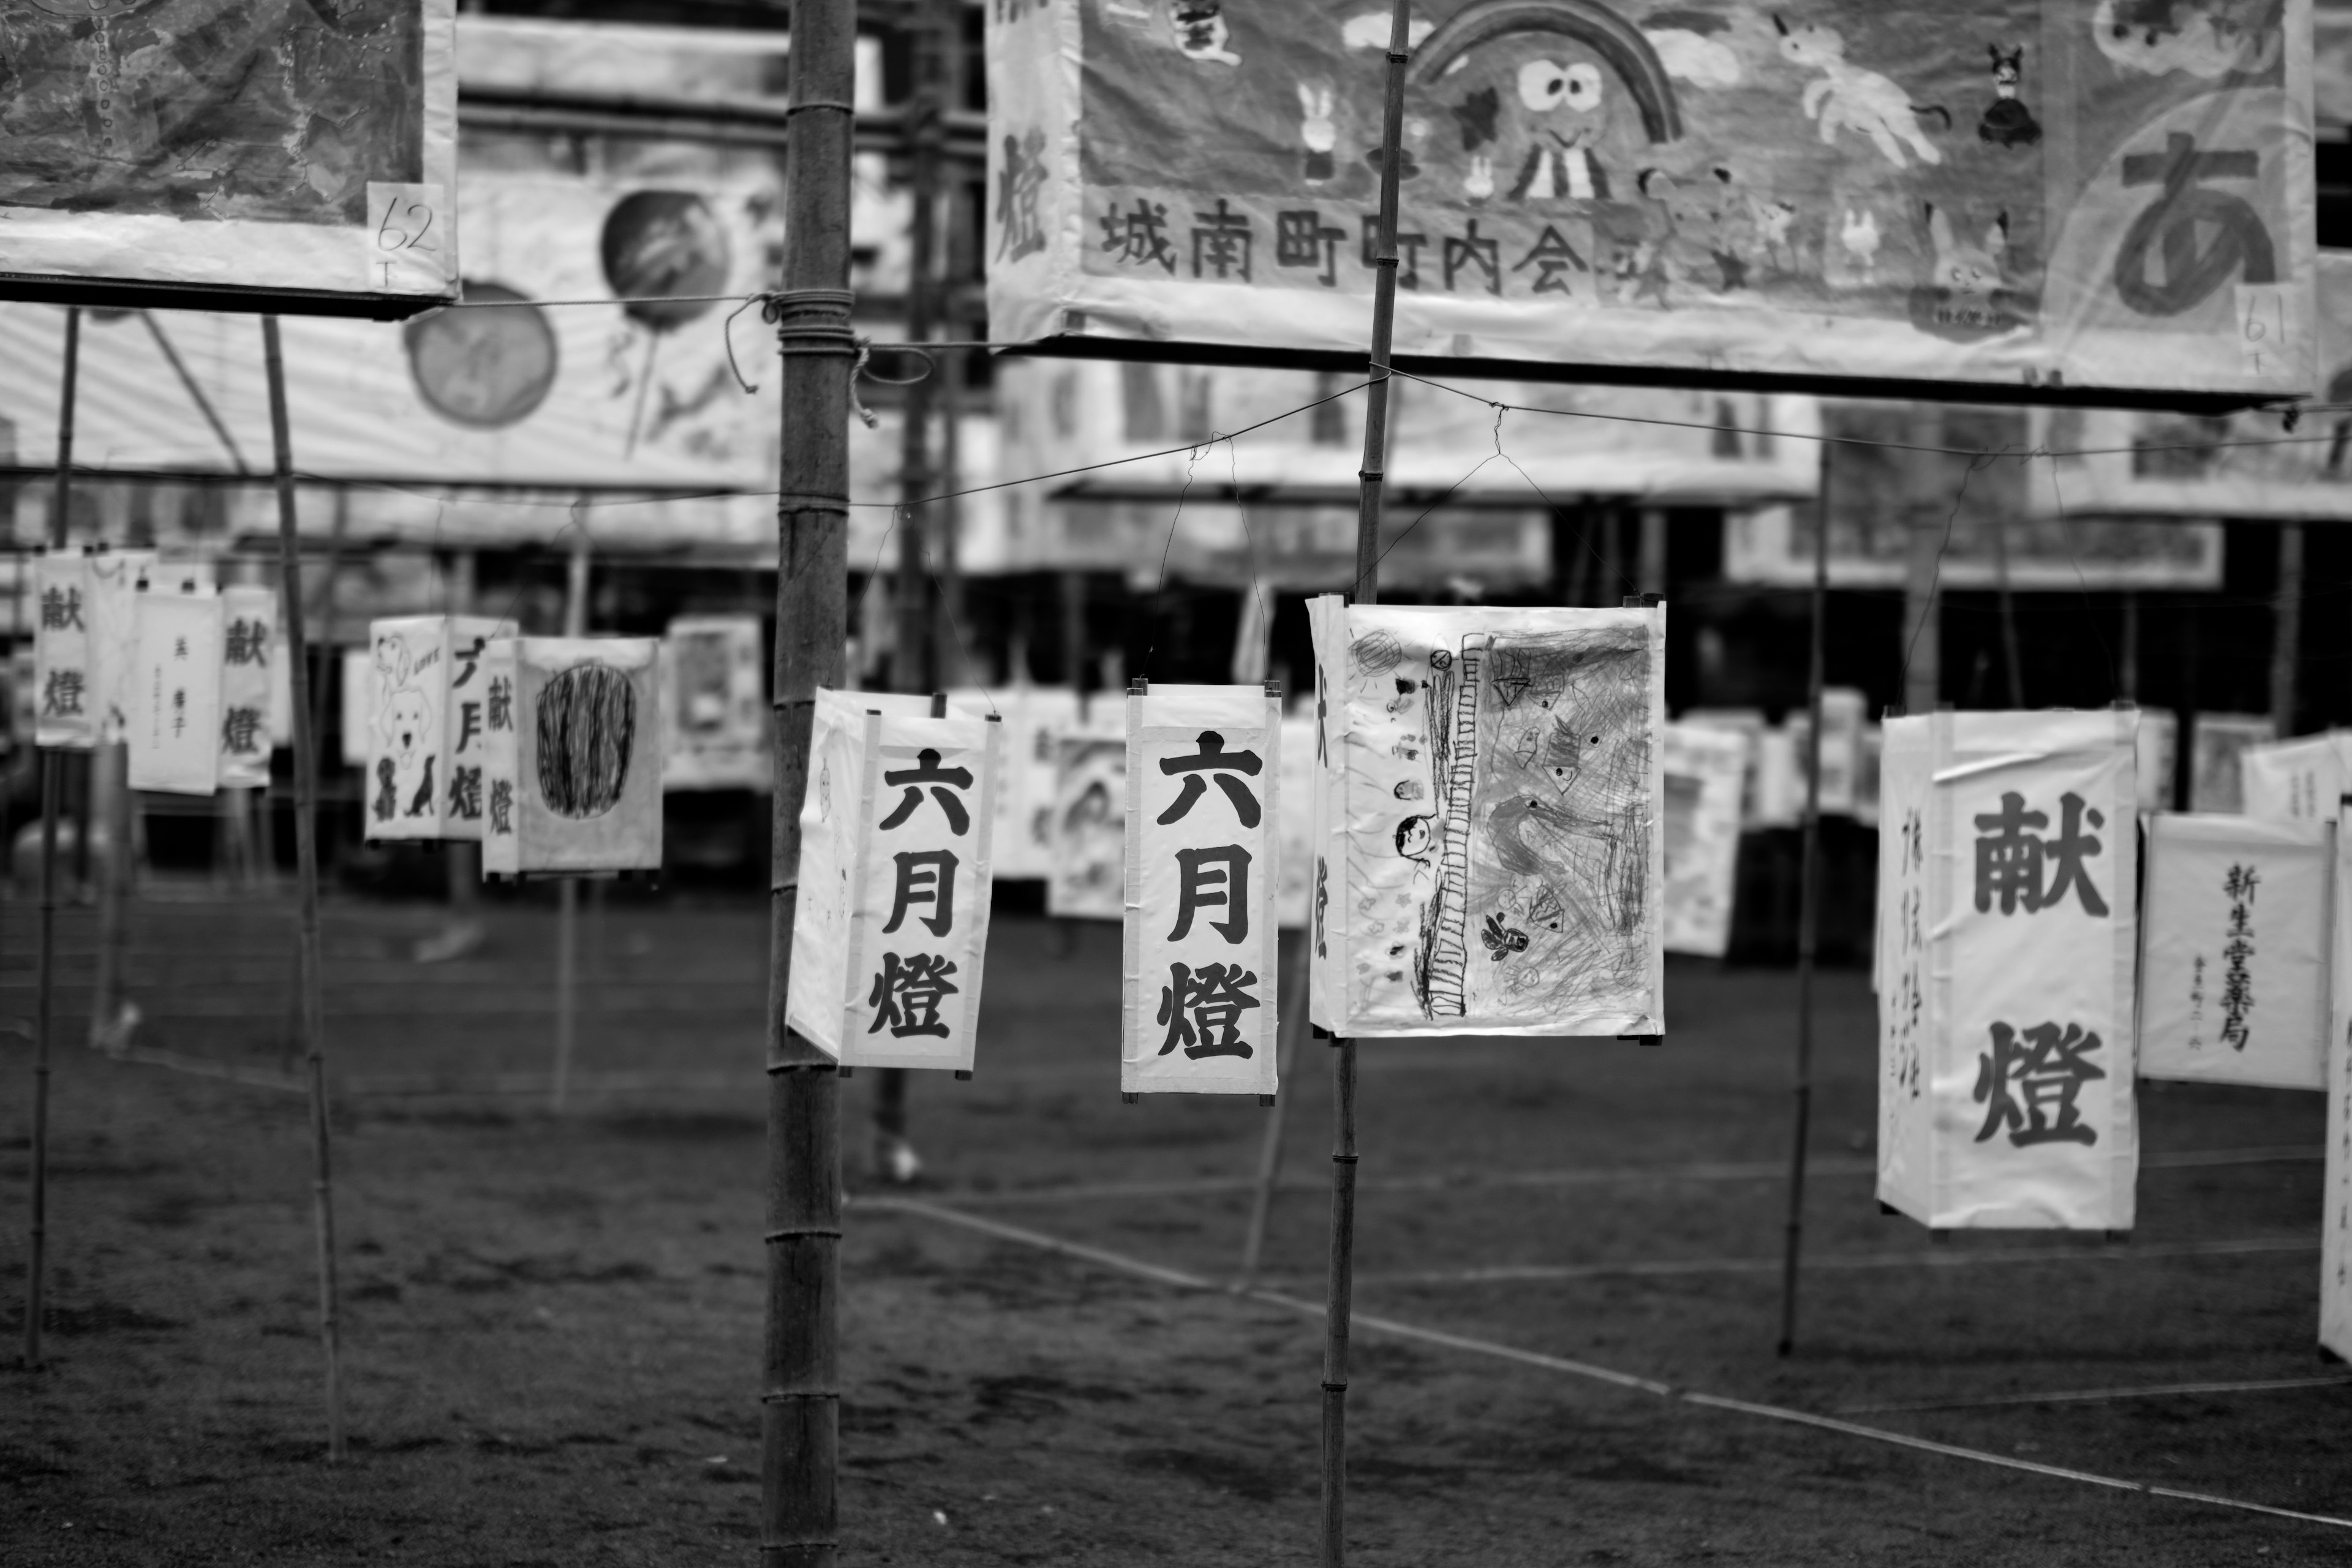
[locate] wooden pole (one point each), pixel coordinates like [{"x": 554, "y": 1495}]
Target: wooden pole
[
  {"x": 45, "y": 971},
  {"x": 2009, "y": 656},
  {"x": 2287, "y": 637},
  {"x": 801, "y": 1372},
  {"x": 567, "y": 890},
  {"x": 2127, "y": 678},
  {"x": 1339, "y": 1292},
  {"x": 306, "y": 858},
  {"x": 1652, "y": 574},
  {"x": 1800, "y": 1085},
  {"x": 109, "y": 777},
  {"x": 1925, "y": 512},
  {"x": 1269, "y": 1153}
]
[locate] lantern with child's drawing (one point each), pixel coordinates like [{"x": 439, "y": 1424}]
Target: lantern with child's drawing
[
  {"x": 896, "y": 830},
  {"x": 571, "y": 755},
  {"x": 425, "y": 716}
]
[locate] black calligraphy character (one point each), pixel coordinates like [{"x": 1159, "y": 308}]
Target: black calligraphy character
[
  {"x": 501, "y": 702},
  {"x": 1019, "y": 231},
  {"x": 2012, "y": 861},
  {"x": 179, "y": 712},
  {"x": 469, "y": 658},
  {"x": 925, "y": 877},
  {"x": 465, "y": 793},
  {"x": 2202, "y": 236},
  {"x": 907, "y": 993},
  {"x": 1472, "y": 251},
  {"x": 2237, "y": 982},
  {"x": 1222, "y": 240},
  {"x": 1141, "y": 238},
  {"x": 2046, "y": 1072},
  {"x": 926, "y": 771},
  {"x": 241, "y": 730},
  {"x": 2066, "y": 853},
  {"x": 247, "y": 643},
  {"x": 61, "y": 608},
  {"x": 1213, "y": 880},
  {"x": 1552, "y": 257},
  {"x": 469, "y": 723},
  {"x": 1300, "y": 239},
  {"x": 1409, "y": 250},
  {"x": 61, "y": 693},
  {"x": 1212, "y": 759},
  {"x": 502, "y": 807},
  {"x": 1203, "y": 1010}
]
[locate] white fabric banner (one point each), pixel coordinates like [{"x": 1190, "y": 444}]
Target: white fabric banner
[
  {"x": 2234, "y": 963},
  {"x": 2008, "y": 1104},
  {"x": 67, "y": 717},
  {"x": 888, "y": 949},
  {"x": 1203, "y": 868},
  {"x": 249, "y": 664},
  {"x": 1088, "y": 873},
  {"x": 2300, "y": 780},
  {"x": 1704, "y": 770},
  {"x": 1490, "y": 825},
  {"x": 175, "y": 692}
]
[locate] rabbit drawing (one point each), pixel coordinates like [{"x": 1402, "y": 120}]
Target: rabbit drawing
[
  {"x": 1970, "y": 272},
  {"x": 1318, "y": 128}
]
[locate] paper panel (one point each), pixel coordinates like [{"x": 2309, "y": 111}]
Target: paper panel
[
  {"x": 1842, "y": 708},
  {"x": 1721, "y": 186},
  {"x": 587, "y": 755},
  {"x": 829, "y": 825},
  {"x": 1500, "y": 825},
  {"x": 2156, "y": 746},
  {"x": 1202, "y": 870},
  {"x": 2233, "y": 977},
  {"x": 114, "y": 579},
  {"x": 174, "y": 684},
  {"x": 263, "y": 149},
  {"x": 407, "y": 727},
  {"x": 714, "y": 706},
  {"x": 1704, "y": 770},
  {"x": 501, "y": 848},
  {"x": 1909, "y": 1027},
  {"x": 464, "y": 808},
  {"x": 1089, "y": 849},
  {"x": 249, "y": 662},
  {"x": 66, "y": 715},
  {"x": 2218, "y": 743},
  {"x": 2295, "y": 781},
  {"x": 1294, "y": 902},
  {"x": 1034, "y": 717}
]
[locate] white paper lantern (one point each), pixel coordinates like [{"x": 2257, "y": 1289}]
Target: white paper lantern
[
  {"x": 1295, "y": 901},
  {"x": 114, "y": 579},
  {"x": 2217, "y": 743},
  {"x": 1204, "y": 852},
  {"x": 2008, "y": 941},
  {"x": 892, "y": 929},
  {"x": 2158, "y": 743},
  {"x": 571, "y": 755},
  {"x": 714, "y": 705},
  {"x": 428, "y": 713},
  {"x": 1704, "y": 770},
  {"x": 67, "y": 704},
  {"x": 174, "y": 687},
  {"x": 2296, "y": 781},
  {"x": 1087, "y": 828},
  {"x": 250, "y": 673}
]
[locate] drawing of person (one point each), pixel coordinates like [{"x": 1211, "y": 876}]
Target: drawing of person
[{"x": 1416, "y": 840}]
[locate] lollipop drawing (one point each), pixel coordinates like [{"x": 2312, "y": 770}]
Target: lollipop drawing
[{"x": 664, "y": 255}]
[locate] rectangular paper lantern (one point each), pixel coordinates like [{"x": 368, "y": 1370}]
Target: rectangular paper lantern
[
  {"x": 2233, "y": 967},
  {"x": 357, "y": 693},
  {"x": 249, "y": 668},
  {"x": 115, "y": 577},
  {"x": 206, "y": 156},
  {"x": 1843, "y": 711},
  {"x": 427, "y": 711},
  {"x": 66, "y": 715},
  {"x": 2300, "y": 780},
  {"x": 2006, "y": 991},
  {"x": 2218, "y": 743},
  {"x": 1704, "y": 769},
  {"x": 1089, "y": 840},
  {"x": 1490, "y": 823},
  {"x": 1294, "y": 903},
  {"x": 2336, "y": 1220},
  {"x": 1726, "y": 186},
  {"x": 892, "y": 931},
  {"x": 714, "y": 705},
  {"x": 1034, "y": 717},
  {"x": 583, "y": 780},
  {"x": 174, "y": 685},
  {"x": 2158, "y": 743},
  {"x": 1203, "y": 867}
]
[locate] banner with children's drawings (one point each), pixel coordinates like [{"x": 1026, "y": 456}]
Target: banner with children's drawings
[{"x": 2009, "y": 191}]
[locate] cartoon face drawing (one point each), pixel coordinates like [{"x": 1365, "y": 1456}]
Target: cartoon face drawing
[{"x": 407, "y": 735}]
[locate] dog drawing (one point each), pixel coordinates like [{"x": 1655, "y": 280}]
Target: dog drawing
[
  {"x": 1848, "y": 97},
  {"x": 404, "y": 731}
]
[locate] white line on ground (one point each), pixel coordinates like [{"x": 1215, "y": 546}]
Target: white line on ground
[
  {"x": 2101, "y": 1396},
  {"x": 1395, "y": 1329},
  {"x": 1507, "y": 1274}
]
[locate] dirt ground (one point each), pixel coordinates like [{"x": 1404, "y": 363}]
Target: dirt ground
[{"x": 552, "y": 1322}]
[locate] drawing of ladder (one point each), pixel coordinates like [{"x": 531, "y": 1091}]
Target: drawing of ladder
[{"x": 1449, "y": 961}]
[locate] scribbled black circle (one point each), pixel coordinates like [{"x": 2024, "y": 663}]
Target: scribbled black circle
[
  {"x": 485, "y": 369},
  {"x": 587, "y": 721},
  {"x": 664, "y": 243}
]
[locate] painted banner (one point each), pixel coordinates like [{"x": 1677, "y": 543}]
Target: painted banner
[
  {"x": 2234, "y": 961},
  {"x": 2259, "y": 464},
  {"x": 2006, "y": 993},
  {"x": 249, "y": 664},
  {"x": 1705, "y": 772},
  {"x": 2335, "y": 1218},
  {"x": 1087, "y": 873},
  {"x": 67, "y": 717},
  {"x": 584, "y": 781},
  {"x": 2300, "y": 780},
  {"x": 714, "y": 706},
  {"x": 894, "y": 876},
  {"x": 2007, "y": 191},
  {"x": 1203, "y": 868},
  {"x": 1490, "y": 820},
  {"x": 2218, "y": 743},
  {"x": 426, "y": 708},
  {"x": 246, "y": 150},
  {"x": 174, "y": 684},
  {"x": 2158, "y": 743}
]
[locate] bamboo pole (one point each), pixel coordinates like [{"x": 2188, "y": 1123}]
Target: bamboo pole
[
  {"x": 110, "y": 783},
  {"x": 1338, "y": 1297},
  {"x": 2286, "y": 636},
  {"x": 2009, "y": 655},
  {"x": 1809, "y": 916},
  {"x": 799, "y": 1392},
  {"x": 45, "y": 971},
  {"x": 567, "y": 890},
  {"x": 1269, "y": 1153},
  {"x": 1925, "y": 515},
  {"x": 306, "y": 856},
  {"x": 1653, "y": 579}
]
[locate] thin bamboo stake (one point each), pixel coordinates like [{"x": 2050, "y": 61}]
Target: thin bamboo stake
[
  {"x": 1808, "y": 923},
  {"x": 111, "y": 782},
  {"x": 799, "y": 1391},
  {"x": 45, "y": 983},
  {"x": 1338, "y": 1297},
  {"x": 2009, "y": 656},
  {"x": 306, "y": 856},
  {"x": 1269, "y": 1154},
  {"x": 2286, "y": 636},
  {"x": 567, "y": 891}
]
